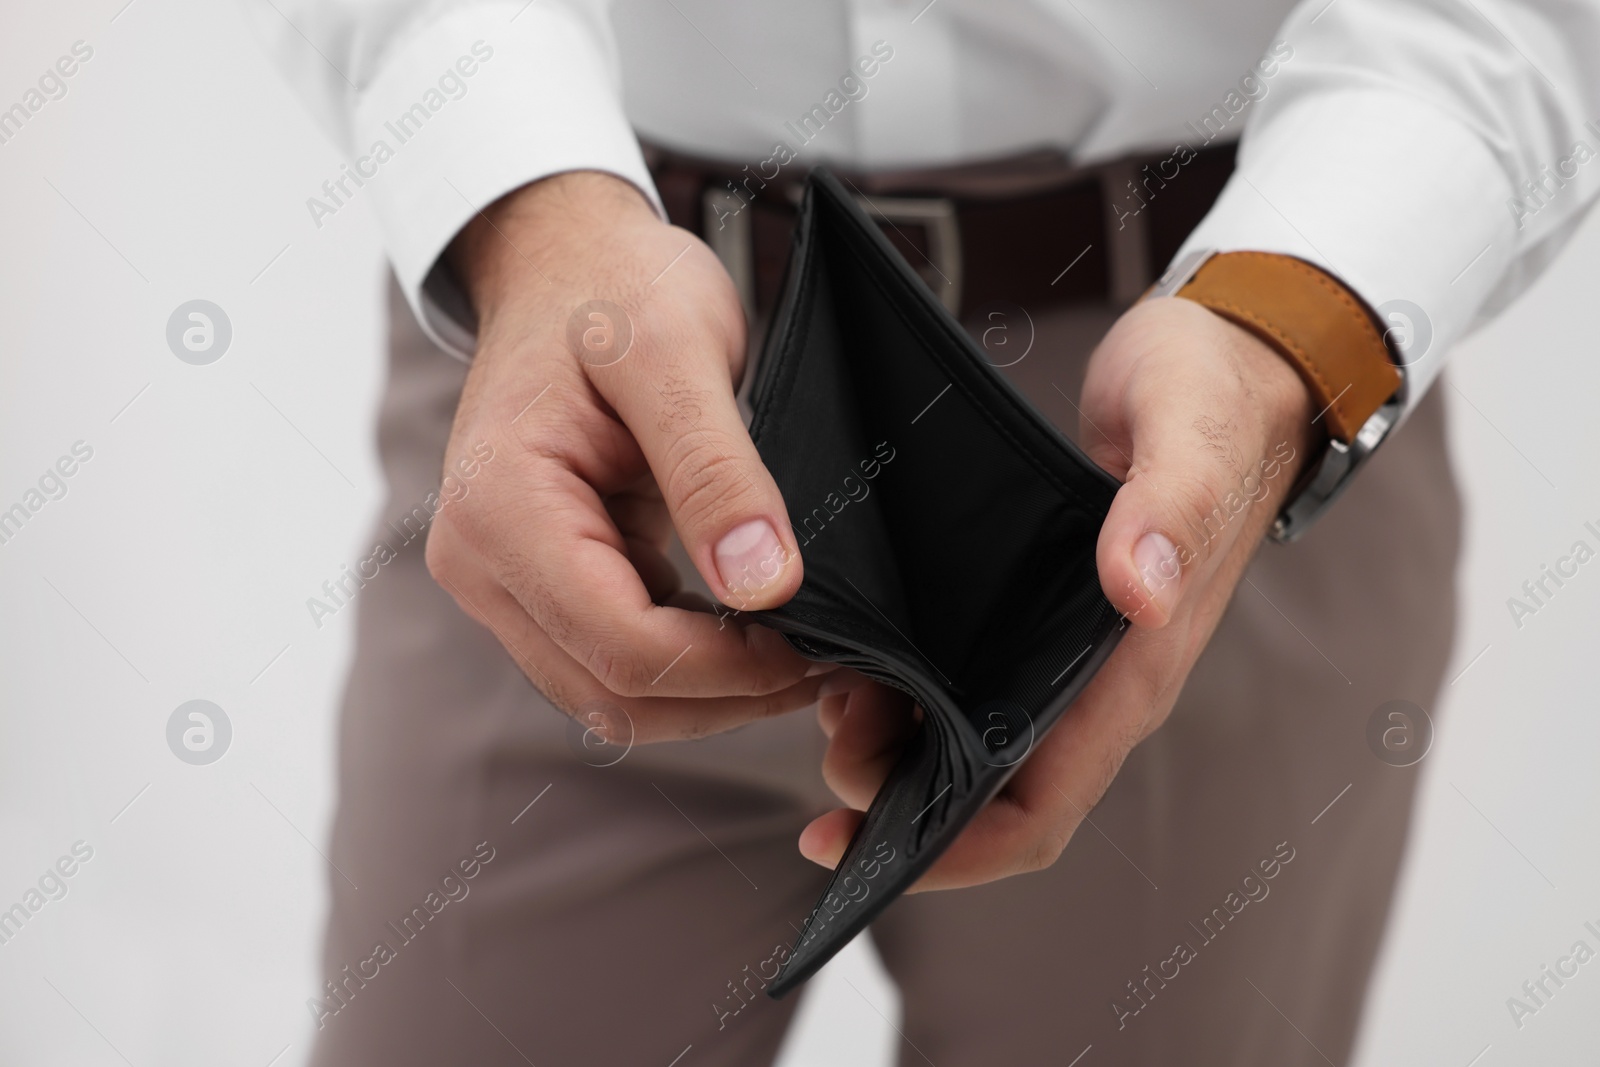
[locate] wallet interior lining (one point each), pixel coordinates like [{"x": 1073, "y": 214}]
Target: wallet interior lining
[{"x": 927, "y": 522}]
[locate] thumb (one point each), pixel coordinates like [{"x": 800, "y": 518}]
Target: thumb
[
  {"x": 1169, "y": 519},
  {"x": 726, "y": 507}
]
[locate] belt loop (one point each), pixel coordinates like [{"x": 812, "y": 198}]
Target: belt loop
[{"x": 1127, "y": 236}]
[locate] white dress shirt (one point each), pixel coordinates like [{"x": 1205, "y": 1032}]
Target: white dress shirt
[{"x": 1433, "y": 154}]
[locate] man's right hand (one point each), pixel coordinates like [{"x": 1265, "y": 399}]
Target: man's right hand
[{"x": 560, "y": 547}]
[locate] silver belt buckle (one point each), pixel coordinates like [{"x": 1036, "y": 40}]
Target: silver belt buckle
[
  {"x": 937, "y": 217},
  {"x": 731, "y": 240}
]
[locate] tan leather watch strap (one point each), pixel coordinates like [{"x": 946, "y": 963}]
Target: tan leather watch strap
[{"x": 1313, "y": 320}]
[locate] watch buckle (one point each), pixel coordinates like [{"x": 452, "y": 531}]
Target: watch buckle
[{"x": 1333, "y": 473}]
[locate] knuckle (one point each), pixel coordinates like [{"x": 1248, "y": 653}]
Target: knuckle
[
  {"x": 1196, "y": 513},
  {"x": 557, "y": 622},
  {"x": 768, "y": 677},
  {"x": 465, "y": 526},
  {"x": 1043, "y": 852},
  {"x": 619, "y": 669},
  {"x": 1040, "y": 838},
  {"x": 439, "y": 554},
  {"x": 781, "y": 702},
  {"x": 1111, "y": 759},
  {"x": 704, "y": 481},
  {"x": 522, "y": 573}
]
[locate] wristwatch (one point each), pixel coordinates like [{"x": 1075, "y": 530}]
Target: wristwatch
[{"x": 1331, "y": 339}]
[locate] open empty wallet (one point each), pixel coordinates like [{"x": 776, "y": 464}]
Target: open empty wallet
[{"x": 948, "y": 533}]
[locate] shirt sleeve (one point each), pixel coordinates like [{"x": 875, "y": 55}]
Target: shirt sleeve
[
  {"x": 494, "y": 93},
  {"x": 1434, "y": 156}
]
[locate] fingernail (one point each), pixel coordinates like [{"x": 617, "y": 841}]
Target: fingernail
[
  {"x": 820, "y": 668},
  {"x": 1159, "y": 570},
  {"x": 749, "y": 557}
]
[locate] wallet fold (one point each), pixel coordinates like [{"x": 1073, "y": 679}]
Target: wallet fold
[{"x": 948, "y": 533}]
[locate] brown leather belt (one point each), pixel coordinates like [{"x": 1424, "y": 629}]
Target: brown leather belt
[{"x": 1033, "y": 231}]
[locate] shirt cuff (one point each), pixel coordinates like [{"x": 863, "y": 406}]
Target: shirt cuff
[
  {"x": 1386, "y": 192},
  {"x": 542, "y": 98}
]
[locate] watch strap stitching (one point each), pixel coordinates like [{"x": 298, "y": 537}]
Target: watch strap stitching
[{"x": 1202, "y": 289}]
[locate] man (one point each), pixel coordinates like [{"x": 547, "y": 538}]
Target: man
[{"x": 1406, "y": 165}]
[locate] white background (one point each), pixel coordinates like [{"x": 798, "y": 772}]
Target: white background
[{"x": 218, "y": 498}]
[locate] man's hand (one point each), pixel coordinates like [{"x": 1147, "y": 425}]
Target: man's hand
[
  {"x": 1209, "y": 428},
  {"x": 600, "y": 451}
]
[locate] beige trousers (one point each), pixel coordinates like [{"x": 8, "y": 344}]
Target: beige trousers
[{"x": 517, "y": 904}]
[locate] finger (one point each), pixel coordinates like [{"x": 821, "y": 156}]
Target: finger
[
  {"x": 689, "y": 718},
  {"x": 678, "y": 399},
  {"x": 554, "y": 548},
  {"x": 541, "y": 525},
  {"x": 570, "y": 687},
  {"x": 831, "y": 708},
  {"x": 1028, "y": 823},
  {"x": 839, "y": 678},
  {"x": 1206, "y": 416},
  {"x": 1179, "y": 506},
  {"x": 610, "y": 626},
  {"x": 824, "y": 840},
  {"x": 832, "y": 705},
  {"x": 867, "y": 742}
]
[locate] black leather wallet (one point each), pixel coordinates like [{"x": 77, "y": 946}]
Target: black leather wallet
[{"x": 948, "y": 533}]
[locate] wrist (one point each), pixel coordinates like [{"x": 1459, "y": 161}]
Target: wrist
[
  {"x": 1283, "y": 402},
  {"x": 509, "y": 243},
  {"x": 1331, "y": 338}
]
